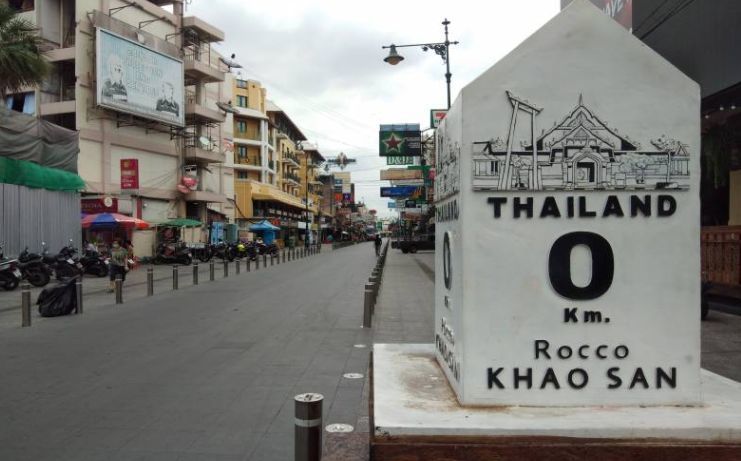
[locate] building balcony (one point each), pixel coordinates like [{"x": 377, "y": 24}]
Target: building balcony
[
  {"x": 202, "y": 72},
  {"x": 205, "y": 196},
  {"x": 197, "y": 113},
  {"x": 206, "y": 32},
  {"x": 60, "y": 54},
  {"x": 200, "y": 155},
  {"x": 59, "y": 107},
  {"x": 246, "y": 163},
  {"x": 291, "y": 160}
]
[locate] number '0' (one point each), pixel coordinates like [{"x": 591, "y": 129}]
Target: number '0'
[{"x": 559, "y": 265}]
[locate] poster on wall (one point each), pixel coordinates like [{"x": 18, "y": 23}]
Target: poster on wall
[
  {"x": 129, "y": 173},
  {"x": 137, "y": 80}
]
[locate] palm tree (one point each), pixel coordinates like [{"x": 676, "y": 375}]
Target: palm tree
[{"x": 21, "y": 63}]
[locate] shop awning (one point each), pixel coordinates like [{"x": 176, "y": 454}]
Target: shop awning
[{"x": 263, "y": 226}]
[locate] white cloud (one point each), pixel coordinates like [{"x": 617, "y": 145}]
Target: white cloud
[{"x": 322, "y": 62}]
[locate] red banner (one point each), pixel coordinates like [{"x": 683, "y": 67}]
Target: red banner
[{"x": 129, "y": 173}]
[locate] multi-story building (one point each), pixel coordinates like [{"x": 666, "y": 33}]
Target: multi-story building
[
  {"x": 267, "y": 163},
  {"x": 311, "y": 187},
  {"x": 138, "y": 81}
]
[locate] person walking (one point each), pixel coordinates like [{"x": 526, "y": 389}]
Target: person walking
[
  {"x": 118, "y": 264},
  {"x": 377, "y": 242}
]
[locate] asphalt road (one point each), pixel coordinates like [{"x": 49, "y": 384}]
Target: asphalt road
[{"x": 204, "y": 373}]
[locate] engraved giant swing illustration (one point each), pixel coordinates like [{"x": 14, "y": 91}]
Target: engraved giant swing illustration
[{"x": 579, "y": 153}]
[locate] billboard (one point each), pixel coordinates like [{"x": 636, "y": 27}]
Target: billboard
[
  {"x": 399, "y": 174},
  {"x": 401, "y": 191},
  {"x": 436, "y": 116},
  {"x": 400, "y": 140},
  {"x": 137, "y": 80},
  {"x": 619, "y": 10},
  {"x": 399, "y": 160}
]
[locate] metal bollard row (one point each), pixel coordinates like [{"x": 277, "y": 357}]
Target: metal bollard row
[{"x": 308, "y": 427}]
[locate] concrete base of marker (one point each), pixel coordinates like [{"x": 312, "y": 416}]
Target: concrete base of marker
[{"x": 431, "y": 425}]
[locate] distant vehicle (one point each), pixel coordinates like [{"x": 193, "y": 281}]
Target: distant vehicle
[{"x": 415, "y": 243}]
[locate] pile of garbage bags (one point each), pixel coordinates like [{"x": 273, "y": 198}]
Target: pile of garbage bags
[{"x": 58, "y": 300}]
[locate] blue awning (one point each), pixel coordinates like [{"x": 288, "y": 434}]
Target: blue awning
[{"x": 264, "y": 226}]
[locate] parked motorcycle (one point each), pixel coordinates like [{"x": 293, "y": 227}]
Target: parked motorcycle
[
  {"x": 270, "y": 250},
  {"x": 173, "y": 253},
  {"x": 65, "y": 263},
  {"x": 34, "y": 269},
  {"x": 204, "y": 254},
  {"x": 10, "y": 275},
  {"x": 95, "y": 264},
  {"x": 223, "y": 250},
  {"x": 244, "y": 250}
]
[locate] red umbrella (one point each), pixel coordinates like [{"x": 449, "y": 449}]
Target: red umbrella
[{"x": 109, "y": 220}]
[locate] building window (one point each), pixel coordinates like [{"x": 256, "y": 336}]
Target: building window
[
  {"x": 241, "y": 151},
  {"x": 242, "y": 175},
  {"x": 241, "y": 83},
  {"x": 241, "y": 126},
  {"x": 241, "y": 101}
]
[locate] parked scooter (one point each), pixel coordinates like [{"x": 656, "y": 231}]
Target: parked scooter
[
  {"x": 223, "y": 250},
  {"x": 34, "y": 269},
  {"x": 95, "y": 264},
  {"x": 173, "y": 253},
  {"x": 65, "y": 263},
  {"x": 10, "y": 275},
  {"x": 270, "y": 250}
]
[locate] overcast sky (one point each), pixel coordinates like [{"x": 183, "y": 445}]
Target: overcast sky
[{"x": 322, "y": 62}]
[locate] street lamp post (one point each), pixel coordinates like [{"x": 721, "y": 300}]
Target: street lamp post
[{"x": 442, "y": 49}]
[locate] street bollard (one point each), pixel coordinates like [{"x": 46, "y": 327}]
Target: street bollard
[
  {"x": 175, "y": 277},
  {"x": 272, "y": 258},
  {"x": 257, "y": 263},
  {"x": 277, "y": 258},
  {"x": 226, "y": 268},
  {"x": 247, "y": 263},
  {"x": 25, "y": 305},
  {"x": 264, "y": 261},
  {"x": 368, "y": 306},
  {"x": 284, "y": 255},
  {"x": 308, "y": 422},
  {"x": 119, "y": 289},
  {"x": 150, "y": 281},
  {"x": 195, "y": 273},
  {"x": 239, "y": 269},
  {"x": 78, "y": 293},
  {"x": 212, "y": 270}
]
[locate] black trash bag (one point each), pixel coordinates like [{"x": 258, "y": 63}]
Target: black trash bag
[{"x": 58, "y": 300}]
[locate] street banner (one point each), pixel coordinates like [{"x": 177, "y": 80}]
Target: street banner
[
  {"x": 436, "y": 116},
  {"x": 399, "y": 161},
  {"x": 401, "y": 191},
  {"x": 400, "y": 140},
  {"x": 137, "y": 80},
  {"x": 129, "y": 173}
]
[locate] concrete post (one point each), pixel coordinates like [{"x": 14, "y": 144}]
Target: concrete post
[
  {"x": 78, "y": 294},
  {"x": 175, "y": 277},
  {"x": 195, "y": 273},
  {"x": 368, "y": 306},
  {"x": 25, "y": 305},
  {"x": 308, "y": 423},
  {"x": 150, "y": 281},
  {"x": 119, "y": 289}
]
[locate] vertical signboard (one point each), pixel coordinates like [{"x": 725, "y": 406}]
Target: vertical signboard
[
  {"x": 436, "y": 116},
  {"x": 567, "y": 262},
  {"x": 135, "y": 79},
  {"x": 129, "y": 173}
]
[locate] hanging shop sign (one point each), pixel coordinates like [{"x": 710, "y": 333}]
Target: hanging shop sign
[
  {"x": 567, "y": 247},
  {"x": 436, "y": 116},
  {"x": 99, "y": 205},
  {"x": 399, "y": 161},
  {"x": 401, "y": 191},
  {"x": 400, "y": 174},
  {"x": 129, "y": 173},
  {"x": 400, "y": 140}
]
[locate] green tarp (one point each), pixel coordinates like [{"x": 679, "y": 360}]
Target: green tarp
[{"x": 29, "y": 174}]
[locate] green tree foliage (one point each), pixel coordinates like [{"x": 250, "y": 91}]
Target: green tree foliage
[{"x": 21, "y": 63}]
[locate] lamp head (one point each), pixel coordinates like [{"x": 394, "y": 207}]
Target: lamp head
[{"x": 393, "y": 58}]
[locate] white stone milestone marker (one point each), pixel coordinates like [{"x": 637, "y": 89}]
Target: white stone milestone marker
[{"x": 567, "y": 263}]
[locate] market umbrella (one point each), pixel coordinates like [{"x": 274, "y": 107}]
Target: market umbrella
[
  {"x": 181, "y": 222},
  {"x": 108, "y": 220},
  {"x": 263, "y": 226}
]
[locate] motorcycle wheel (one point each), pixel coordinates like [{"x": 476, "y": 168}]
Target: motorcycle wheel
[
  {"x": 187, "y": 260},
  {"x": 204, "y": 256},
  {"x": 38, "y": 278},
  {"x": 10, "y": 283},
  {"x": 65, "y": 272}
]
